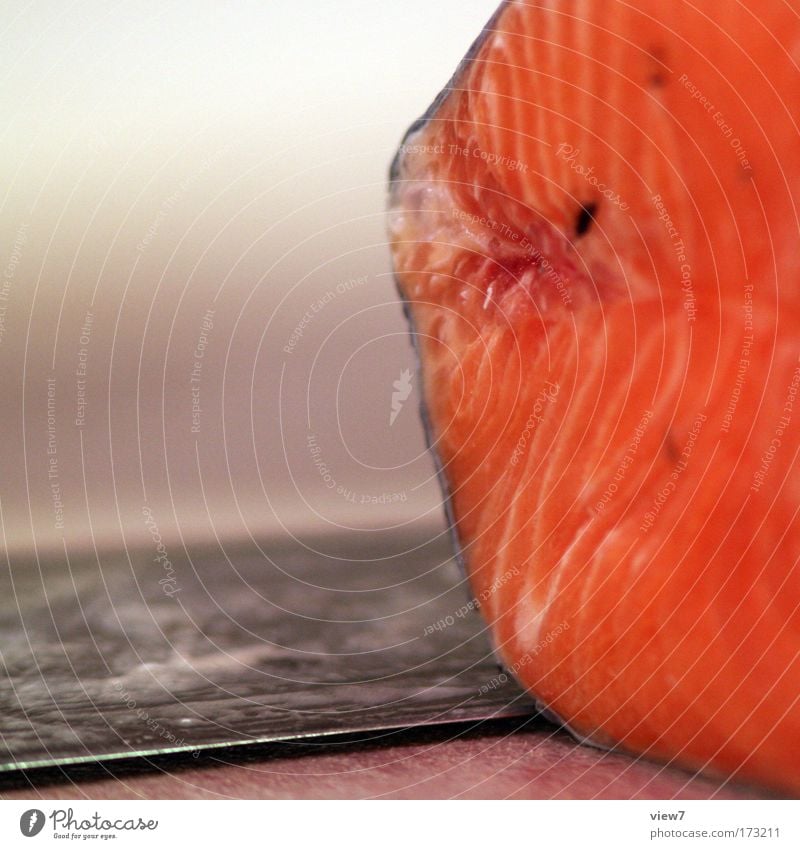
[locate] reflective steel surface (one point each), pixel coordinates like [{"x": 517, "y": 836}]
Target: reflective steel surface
[{"x": 170, "y": 650}]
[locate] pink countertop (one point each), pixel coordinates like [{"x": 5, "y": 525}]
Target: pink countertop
[{"x": 502, "y": 762}]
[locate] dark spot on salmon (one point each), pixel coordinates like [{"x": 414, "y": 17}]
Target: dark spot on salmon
[
  {"x": 670, "y": 448},
  {"x": 657, "y": 78},
  {"x": 585, "y": 218}
]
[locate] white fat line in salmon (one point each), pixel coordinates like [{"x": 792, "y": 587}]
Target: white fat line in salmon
[
  {"x": 547, "y": 395},
  {"x": 679, "y": 249},
  {"x": 502, "y": 677},
  {"x": 627, "y": 461}
]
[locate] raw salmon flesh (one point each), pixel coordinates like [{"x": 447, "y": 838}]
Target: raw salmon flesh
[{"x": 596, "y": 232}]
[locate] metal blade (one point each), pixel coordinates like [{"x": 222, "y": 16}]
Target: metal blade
[{"x": 162, "y": 651}]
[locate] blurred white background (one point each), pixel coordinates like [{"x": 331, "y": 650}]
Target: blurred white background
[{"x": 197, "y": 315}]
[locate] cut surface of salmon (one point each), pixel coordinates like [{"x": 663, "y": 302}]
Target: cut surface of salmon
[{"x": 595, "y": 230}]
